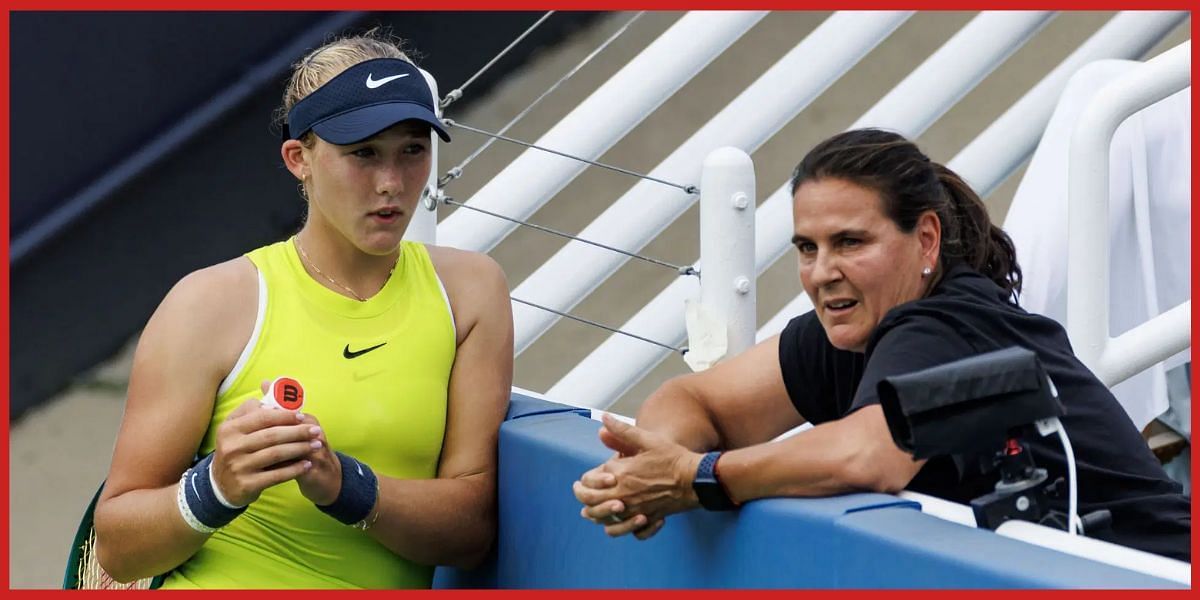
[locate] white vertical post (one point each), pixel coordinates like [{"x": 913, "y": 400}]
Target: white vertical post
[
  {"x": 1088, "y": 233},
  {"x": 999, "y": 150},
  {"x": 1009, "y": 140},
  {"x": 612, "y": 111},
  {"x": 618, "y": 363},
  {"x": 727, "y": 279},
  {"x": 643, "y": 212},
  {"x": 423, "y": 226}
]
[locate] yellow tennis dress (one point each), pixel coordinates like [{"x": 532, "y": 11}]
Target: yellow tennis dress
[{"x": 375, "y": 375}]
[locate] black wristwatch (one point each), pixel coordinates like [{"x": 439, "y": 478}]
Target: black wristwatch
[{"x": 708, "y": 488}]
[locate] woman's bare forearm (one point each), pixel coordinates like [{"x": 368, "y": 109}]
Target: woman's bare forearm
[
  {"x": 854, "y": 453},
  {"x": 140, "y": 533},
  {"x": 447, "y": 521},
  {"x": 675, "y": 411}
]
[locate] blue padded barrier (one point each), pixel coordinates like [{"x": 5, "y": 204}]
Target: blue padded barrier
[
  {"x": 520, "y": 405},
  {"x": 854, "y": 540},
  {"x": 893, "y": 548}
]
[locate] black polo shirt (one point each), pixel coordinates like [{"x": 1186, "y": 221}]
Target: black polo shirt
[{"x": 967, "y": 314}]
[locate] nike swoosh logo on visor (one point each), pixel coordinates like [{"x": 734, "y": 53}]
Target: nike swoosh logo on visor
[{"x": 374, "y": 83}]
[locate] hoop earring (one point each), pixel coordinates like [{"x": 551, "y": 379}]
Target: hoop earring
[
  {"x": 302, "y": 191},
  {"x": 926, "y": 272}
]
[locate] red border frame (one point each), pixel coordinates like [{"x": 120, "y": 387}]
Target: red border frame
[
  {"x": 236, "y": 5},
  {"x": 5, "y": 375}
]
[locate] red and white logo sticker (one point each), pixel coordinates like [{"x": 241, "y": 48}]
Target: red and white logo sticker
[{"x": 285, "y": 393}]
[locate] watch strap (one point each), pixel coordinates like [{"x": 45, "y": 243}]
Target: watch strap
[{"x": 708, "y": 488}]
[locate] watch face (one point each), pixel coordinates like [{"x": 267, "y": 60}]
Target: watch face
[{"x": 712, "y": 497}]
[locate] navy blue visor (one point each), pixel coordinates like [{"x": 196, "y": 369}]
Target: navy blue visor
[{"x": 364, "y": 100}]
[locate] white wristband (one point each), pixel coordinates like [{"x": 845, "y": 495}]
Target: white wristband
[
  {"x": 217, "y": 492},
  {"x": 186, "y": 511}
]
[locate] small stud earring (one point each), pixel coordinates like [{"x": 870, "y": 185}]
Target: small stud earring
[{"x": 926, "y": 272}]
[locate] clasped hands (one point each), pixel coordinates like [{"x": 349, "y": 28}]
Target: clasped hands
[
  {"x": 649, "y": 478},
  {"x": 258, "y": 448}
]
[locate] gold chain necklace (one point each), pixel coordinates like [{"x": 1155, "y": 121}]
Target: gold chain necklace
[{"x": 332, "y": 280}]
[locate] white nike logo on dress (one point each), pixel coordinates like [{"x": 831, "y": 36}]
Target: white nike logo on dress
[{"x": 374, "y": 83}]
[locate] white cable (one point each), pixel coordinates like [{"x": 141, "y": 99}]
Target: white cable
[
  {"x": 1076, "y": 526},
  {"x": 1046, "y": 427}
]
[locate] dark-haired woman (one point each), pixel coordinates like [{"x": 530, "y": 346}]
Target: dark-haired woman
[{"x": 905, "y": 272}]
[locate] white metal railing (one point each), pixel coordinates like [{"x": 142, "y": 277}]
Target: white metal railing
[
  {"x": 1002, "y": 147},
  {"x": 747, "y": 122},
  {"x": 1114, "y": 359},
  {"x": 997, "y": 152},
  {"x": 956, "y": 68},
  {"x": 910, "y": 108},
  {"x": 781, "y": 93},
  {"x": 612, "y": 368},
  {"x": 618, "y": 363},
  {"x": 423, "y": 226},
  {"x": 726, "y": 288},
  {"x": 595, "y": 125}
]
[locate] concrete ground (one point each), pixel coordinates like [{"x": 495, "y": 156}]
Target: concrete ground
[{"x": 60, "y": 451}]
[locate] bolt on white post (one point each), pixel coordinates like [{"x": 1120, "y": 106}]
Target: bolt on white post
[
  {"x": 423, "y": 226},
  {"x": 727, "y": 275}
]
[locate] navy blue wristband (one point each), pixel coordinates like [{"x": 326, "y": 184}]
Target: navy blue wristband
[
  {"x": 360, "y": 490},
  {"x": 202, "y": 500}
]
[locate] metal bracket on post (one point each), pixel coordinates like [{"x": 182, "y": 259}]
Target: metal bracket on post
[
  {"x": 722, "y": 324},
  {"x": 423, "y": 226}
]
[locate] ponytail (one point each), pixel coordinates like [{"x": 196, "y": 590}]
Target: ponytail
[{"x": 972, "y": 238}]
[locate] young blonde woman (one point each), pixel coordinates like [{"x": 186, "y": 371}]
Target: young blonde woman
[{"x": 403, "y": 351}]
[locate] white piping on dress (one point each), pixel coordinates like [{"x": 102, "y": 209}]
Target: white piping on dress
[
  {"x": 258, "y": 325},
  {"x": 449, "y": 308}
]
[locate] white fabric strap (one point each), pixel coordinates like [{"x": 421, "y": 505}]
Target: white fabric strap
[
  {"x": 186, "y": 510},
  {"x": 217, "y": 492}
]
